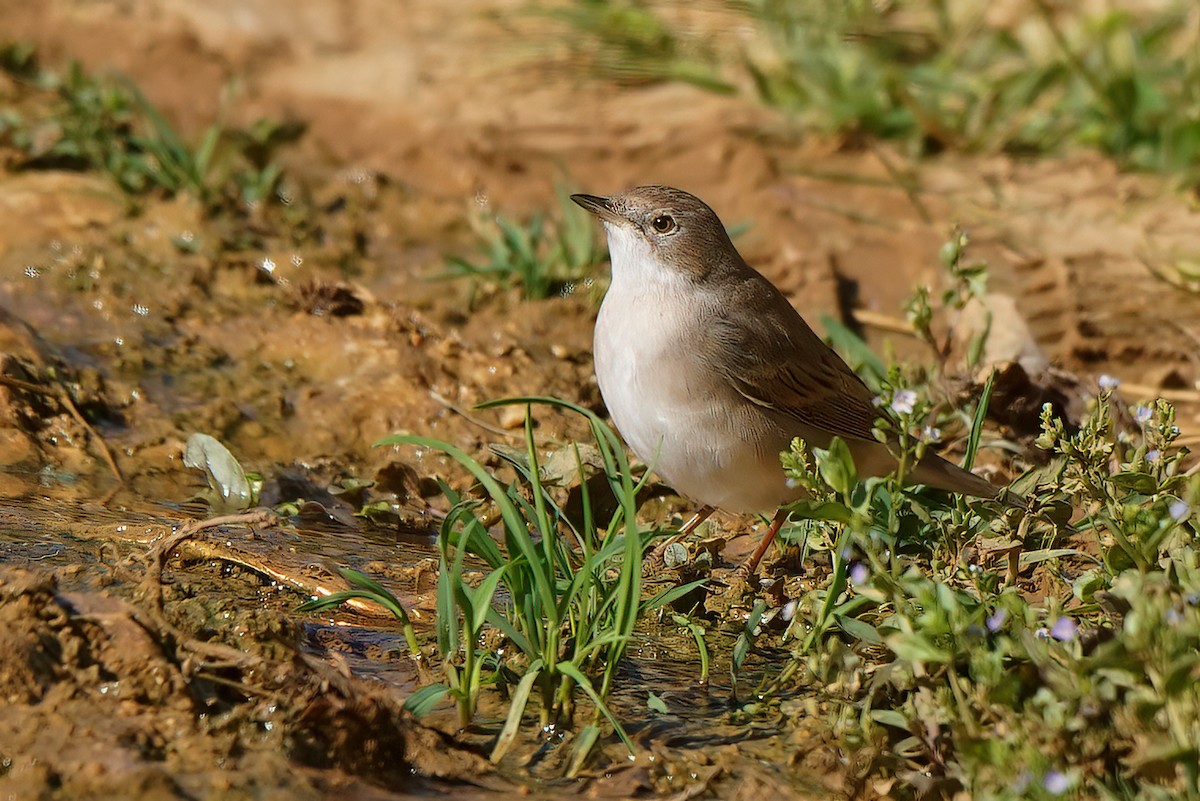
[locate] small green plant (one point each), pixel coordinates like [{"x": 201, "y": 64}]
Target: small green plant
[
  {"x": 572, "y": 590},
  {"x": 1092, "y": 685},
  {"x": 542, "y": 256},
  {"x": 995, "y": 649},
  {"x": 941, "y": 75},
  {"x": 629, "y": 42},
  {"x": 108, "y": 124}
]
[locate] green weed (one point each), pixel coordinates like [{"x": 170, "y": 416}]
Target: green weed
[
  {"x": 1026, "y": 647},
  {"x": 108, "y": 124},
  {"x": 629, "y": 42},
  {"x": 945, "y": 672},
  {"x": 542, "y": 256},
  {"x": 571, "y": 590},
  {"x": 942, "y": 75}
]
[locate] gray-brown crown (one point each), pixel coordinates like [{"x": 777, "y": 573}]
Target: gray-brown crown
[{"x": 684, "y": 232}]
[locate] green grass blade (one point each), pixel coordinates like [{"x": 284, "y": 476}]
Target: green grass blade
[
  {"x": 569, "y": 669},
  {"x": 516, "y": 529},
  {"x": 981, "y": 410},
  {"x": 421, "y": 702},
  {"x": 516, "y": 709}
]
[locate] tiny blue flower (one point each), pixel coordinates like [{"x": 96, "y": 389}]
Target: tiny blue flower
[
  {"x": 1152, "y": 456},
  {"x": 1142, "y": 414},
  {"x": 1064, "y": 629},
  {"x": 1179, "y": 511},
  {"x": 996, "y": 620},
  {"x": 859, "y": 573},
  {"x": 1108, "y": 383},
  {"x": 1173, "y": 617},
  {"x": 903, "y": 401},
  {"x": 932, "y": 434},
  {"x": 1056, "y": 782}
]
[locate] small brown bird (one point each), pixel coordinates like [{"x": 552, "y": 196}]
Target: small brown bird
[{"x": 709, "y": 372}]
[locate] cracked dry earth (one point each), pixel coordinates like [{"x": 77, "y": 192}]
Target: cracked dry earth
[{"x": 115, "y": 345}]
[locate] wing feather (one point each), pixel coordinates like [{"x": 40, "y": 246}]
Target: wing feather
[{"x": 777, "y": 362}]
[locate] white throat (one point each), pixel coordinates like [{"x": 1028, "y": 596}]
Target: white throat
[{"x": 635, "y": 265}]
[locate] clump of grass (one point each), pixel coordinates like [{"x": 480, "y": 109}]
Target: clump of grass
[
  {"x": 571, "y": 591},
  {"x": 944, "y": 75},
  {"x": 632, "y": 44},
  {"x": 544, "y": 256},
  {"x": 102, "y": 123}
]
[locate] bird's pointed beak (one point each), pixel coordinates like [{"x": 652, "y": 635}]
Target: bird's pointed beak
[{"x": 602, "y": 207}]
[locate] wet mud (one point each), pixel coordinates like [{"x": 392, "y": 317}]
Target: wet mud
[{"x": 301, "y": 333}]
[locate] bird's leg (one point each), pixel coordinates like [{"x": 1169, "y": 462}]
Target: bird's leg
[
  {"x": 693, "y": 523},
  {"x": 750, "y": 566}
]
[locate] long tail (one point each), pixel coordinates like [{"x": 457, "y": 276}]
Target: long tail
[
  {"x": 874, "y": 459},
  {"x": 937, "y": 472}
]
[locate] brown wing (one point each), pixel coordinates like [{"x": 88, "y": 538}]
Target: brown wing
[{"x": 773, "y": 359}]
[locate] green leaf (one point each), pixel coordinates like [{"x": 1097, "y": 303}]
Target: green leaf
[
  {"x": 583, "y": 746},
  {"x": 585, "y": 684},
  {"x": 808, "y": 509},
  {"x": 913, "y": 647},
  {"x": 516, "y": 709},
  {"x": 422, "y": 701},
  {"x": 230, "y": 489},
  {"x": 981, "y": 409},
  {"x": 1134, "y": 482},
  {"x": 836, "y": 466},
  {"x": 482, "y": 598},
  {"x": 890, "y": 717},
  {"x": 656, "y": 704},
  {"x": 859, "y": 629}
]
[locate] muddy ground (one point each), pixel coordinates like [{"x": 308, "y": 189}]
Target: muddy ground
[{"x": 116, "y": 343}]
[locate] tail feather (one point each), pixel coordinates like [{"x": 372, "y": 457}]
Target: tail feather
[
  {"x": 937, "y": 472},
  {"x": 874, "y": 459}
]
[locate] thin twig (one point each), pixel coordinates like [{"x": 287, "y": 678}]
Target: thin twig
[
  {"x": 905, "y": 183},
  {"x": 1173, "y": 395},
  {"x": 26, "y": 386},
  {"x": 885, "y": 322},
  {"x": 158, "y": 555},
  {"x": 93, "y": 434},
  {"x": 470, "y": 418}
]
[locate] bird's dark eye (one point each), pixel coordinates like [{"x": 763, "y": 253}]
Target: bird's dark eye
[{"x": 663, "y": 224}]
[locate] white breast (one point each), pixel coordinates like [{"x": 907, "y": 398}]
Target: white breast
[{"x": 671, "y": 413}]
